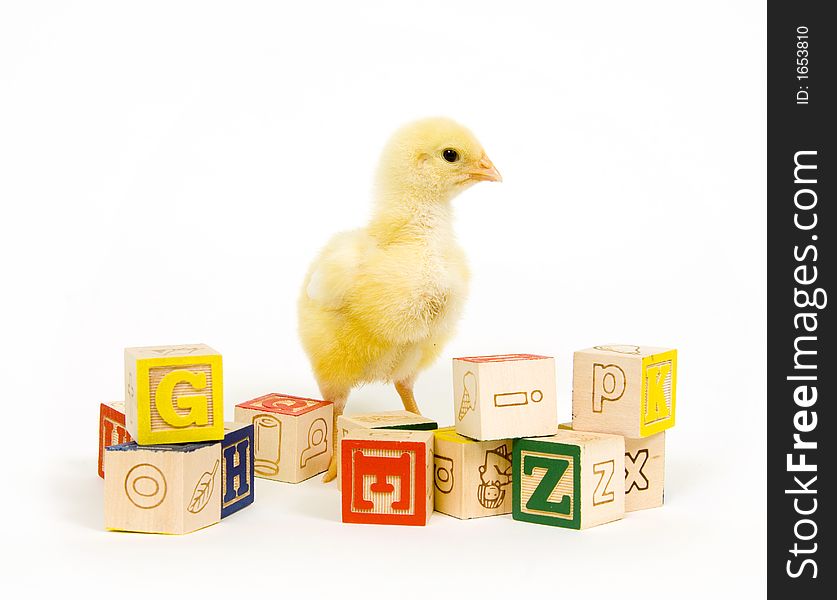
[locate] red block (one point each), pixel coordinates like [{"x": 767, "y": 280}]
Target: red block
[
  {"x": 283, "y": 404},
  {"x": 111, "y": 430},
  {"x": 501, "y": 358},
  {"x": 387, "y": 476}
]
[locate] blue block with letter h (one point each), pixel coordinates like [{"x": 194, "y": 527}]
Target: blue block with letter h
[{"x": 237, "y": 474}]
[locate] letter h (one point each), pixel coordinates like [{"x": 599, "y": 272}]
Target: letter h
[{"x": 233, "y": 470}]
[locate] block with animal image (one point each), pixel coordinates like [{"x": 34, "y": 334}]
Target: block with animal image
[
  {"x": 111, "y": 429},
  {"x": 174, "y": 394},
  {"x": 645, "y": 470},
  {"x": 292, "y": 435},
  {"x": 391, "y": 419},
  {"x": 504, "y": 396},
  {"x": 387, "y": 476},
  {"x": 571, "y": 479},
  {"x": 170, "y": 488},
  {"x": 471, "y": 478},
  {"x": 237, "y": 468},
  {"x": 624, "y": 389}
]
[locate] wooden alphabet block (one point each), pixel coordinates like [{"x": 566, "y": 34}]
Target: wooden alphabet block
[
  {"x": 292, "y": 435},
  {"x": 237, "y": 464},
  {"x": 387, "y": 476},
  {"x": 645, "y": 470},
  {"x": 174, "y": 394},
  {"x": 629, "y": 390},
  {"x": 392, "y": 419},
  {"x": 111, "y": 429},
  {"x": 505, "y": 396},
  {"x": 471, "y": 478},
  {"x": 571, "y": 479},
  {"x": 162, "y": 489}
]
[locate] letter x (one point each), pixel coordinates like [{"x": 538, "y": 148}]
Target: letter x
[{"x": 634, "y": 477}]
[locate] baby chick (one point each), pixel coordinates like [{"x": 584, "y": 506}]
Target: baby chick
[{"x": 379, "y": 303}]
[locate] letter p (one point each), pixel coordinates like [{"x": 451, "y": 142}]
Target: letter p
[{"x": 608, "y": 384}]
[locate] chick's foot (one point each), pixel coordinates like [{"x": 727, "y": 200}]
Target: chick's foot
[{"x": 331, "y": 474}]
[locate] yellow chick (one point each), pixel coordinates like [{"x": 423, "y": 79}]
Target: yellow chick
[{"x": 379, "y": 303}]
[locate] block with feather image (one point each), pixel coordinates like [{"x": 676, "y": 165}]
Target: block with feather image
[{"x": 164, "y": 488}]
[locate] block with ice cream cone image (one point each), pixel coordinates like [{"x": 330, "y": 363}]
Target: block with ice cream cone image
[{"x": 504, "y": 396}]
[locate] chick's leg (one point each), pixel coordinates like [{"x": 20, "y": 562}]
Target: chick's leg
[
  {"x": 339, "y": 400},
  {"x": 405, "y": 390}
]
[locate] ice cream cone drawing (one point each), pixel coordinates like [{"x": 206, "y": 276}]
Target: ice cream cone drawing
[{"x": 469, "y": 389}]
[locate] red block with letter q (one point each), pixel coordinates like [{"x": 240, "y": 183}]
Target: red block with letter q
[{"x": 387, "y": 476}]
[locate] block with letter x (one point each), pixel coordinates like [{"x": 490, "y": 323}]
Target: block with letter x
[
  {"x": 387, "y": 476},
  {"x": 645, "y": 470},
  {"x": 174, "y": 394},
  {"x": 571, "y": 479},
  {"x": 624, "y": 389}
]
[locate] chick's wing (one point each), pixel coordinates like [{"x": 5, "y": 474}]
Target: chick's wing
[{"x": 335, "y": 270}]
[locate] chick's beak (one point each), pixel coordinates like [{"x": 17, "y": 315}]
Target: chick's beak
[{"x": 485, "y": 171}]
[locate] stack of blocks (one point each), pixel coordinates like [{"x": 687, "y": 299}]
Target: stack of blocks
[
  {"x": 507, "y": 453},
  {"x": 497, "y": 398},
  {"x": 170, "y": 463},
  {"x": 629, "y": 391}
]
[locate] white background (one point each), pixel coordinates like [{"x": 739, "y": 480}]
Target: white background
[{"x": 168, "y": 170}]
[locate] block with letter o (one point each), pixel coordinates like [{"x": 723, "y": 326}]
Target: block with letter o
[{"x": 166, "y": 488}]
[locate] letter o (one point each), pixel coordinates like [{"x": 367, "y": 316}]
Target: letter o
[
  {"x": 800, "y": 522},
  {"x": 805, "y": 191}
]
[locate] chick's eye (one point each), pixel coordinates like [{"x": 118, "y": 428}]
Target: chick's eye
[{"x": 450, "y": 155}]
